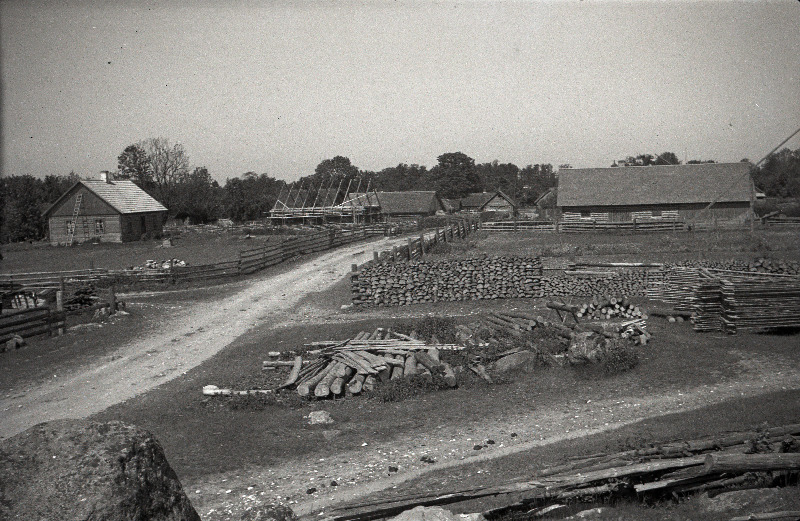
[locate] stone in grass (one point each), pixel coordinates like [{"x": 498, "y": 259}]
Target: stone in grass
[
  {"x": 15, "y": 342},
  {"x": 311, "y": 490},
  {"x": 76, "y": 469},
  {"x": 319, "y": 417},
  {"x": 521, "y": 360},
  {"x": 269, "y": 513},
  {"x": 427, "y": 459},
  {"x": 392, "y": 468},
  {"x": 477, "y": 447}
]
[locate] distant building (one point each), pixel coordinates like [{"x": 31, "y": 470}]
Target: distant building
[
  {"x": 104, "y": 210},
  {"x": 496, "y": 201},
  {"x": 656, "y": 192},
  {"x": 408, "y": 204}
]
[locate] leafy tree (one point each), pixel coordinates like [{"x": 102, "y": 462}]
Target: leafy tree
[
  {"x": 455, "y": 176},
  {"x": 779, "y": 174},
  {"x": 667, "y": 158},
  {"x": 699, "y": 161},
  {"x": 251, "y": 196},
  {"x": 199, "y": 197},
  {"x": 402, "y": 178},
  {"x": 501, "y": 176},
  {"x": 536, "y": 180},
  {"x": 645, "y": 159},
  {"x": 134, "y": 164},
  {"x": 22, "y": 209}
]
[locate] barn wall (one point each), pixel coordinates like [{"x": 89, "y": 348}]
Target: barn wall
[{"x": 58, "y": 231}]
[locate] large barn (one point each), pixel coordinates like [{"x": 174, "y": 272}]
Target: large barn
[
  {"x": 104, "y": 210},
  {"x": 402, "y": 204},
  {"x": 682, "y": 192}
]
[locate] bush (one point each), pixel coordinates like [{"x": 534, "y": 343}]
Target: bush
[
  {"x": 409, "y": 387},
  {"x": 618, "y": 356}
]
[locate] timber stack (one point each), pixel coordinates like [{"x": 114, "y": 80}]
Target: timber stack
[
  {"x": 359, "y": 364},
  {"x": 605, "y": 308},
  {"x": 590, "y": 283},
  {"x": 394, "y": 284}
]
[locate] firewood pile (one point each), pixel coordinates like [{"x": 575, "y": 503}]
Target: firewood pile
[
  {"x": 759, "y": 265},
  {"x": 393, "y": 284},
  {"x": 733, "y": 461},
  {"x": 359, "y": 364},
  {"x": 731, "y": 301}
]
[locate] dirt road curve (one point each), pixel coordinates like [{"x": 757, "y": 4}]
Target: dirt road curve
[{"x": 186, "y": 340}]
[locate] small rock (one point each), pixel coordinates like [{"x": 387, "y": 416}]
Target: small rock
[
  {"x": 392, "y": 468},
  {"x": 311, "y": 490},
  {"x": 15, "y": 342},
  {"x": 334, "y": 483},
  {"x": 427, "y": 459},
  {"x": 477, "y": 447},
  {"x": 513, "y": 434},
  {"x": 319, "y": 417},
  {"x": 515, "y": 361},
  {"x": 490, "y": 442},
  {"x": 330, "y": 434}
]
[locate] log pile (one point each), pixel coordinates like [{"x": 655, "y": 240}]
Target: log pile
[
  {"x": 672, "y": 470},
  {"x": 587, "y": 283},
  {"x": 605, "y": 308},
  {"x": 393, "y": 284},
  {"x": 359, "y": 364}
]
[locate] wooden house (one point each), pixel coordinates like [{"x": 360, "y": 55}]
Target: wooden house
[
  {"x": 681, "y": 192},
  {"x": 104, "y": 210},
  {"x": 496, "y": 201}
]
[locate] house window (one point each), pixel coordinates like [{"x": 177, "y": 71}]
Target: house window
[
  {"x": 585, "y": 214},
  {"x": 69, "y": 226},
  {"x": 656, "y": 213},
  {"x": 99, "y": 227}
]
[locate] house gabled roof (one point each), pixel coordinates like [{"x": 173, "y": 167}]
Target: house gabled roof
[
  {"x": 123, "y": 196},
  {"x": 647, "y": 185},
  {"x": 479, "y": 200}
]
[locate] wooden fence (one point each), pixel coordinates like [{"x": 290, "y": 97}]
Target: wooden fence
[
  {"x": 31, "y": 322},
  {"x": 643, "y": 226},
  {"x": 248, "y": 261}
]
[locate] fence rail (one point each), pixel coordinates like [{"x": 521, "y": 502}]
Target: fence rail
[
  {"x": 644, "y": 226},
  {"x": 31, "y": 322},
  {"x": 248, "y": 261}
]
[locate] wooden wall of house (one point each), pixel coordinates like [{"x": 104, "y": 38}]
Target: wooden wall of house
[
  {"x": 106, "y": 230},
  {"x": 135, "y": 225},
  {"x": 498, "y": 204}
]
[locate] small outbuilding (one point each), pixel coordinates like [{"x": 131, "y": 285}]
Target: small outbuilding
[
  {"x": 104, "y": 210},
  {"x": 679, "y": 192},
  {"x": 496, "y": 201}
]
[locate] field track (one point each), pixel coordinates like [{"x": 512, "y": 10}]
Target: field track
[{"x": 184, "y": 341}]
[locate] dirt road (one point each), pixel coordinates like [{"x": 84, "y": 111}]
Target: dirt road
[{"x": 185, "y": 340}]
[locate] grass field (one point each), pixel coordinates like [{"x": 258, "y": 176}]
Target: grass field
[{"x": 193, "y": 247}]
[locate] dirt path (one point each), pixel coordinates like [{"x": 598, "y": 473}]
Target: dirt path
[
  {"x": 185, "y": 340},
  {"x": 361, "y": 472}
]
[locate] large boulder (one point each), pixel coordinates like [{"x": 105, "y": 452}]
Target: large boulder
[
  {"x": 81, "y": 470},
  {"x": 519, "y": 361},
  {"x": 435, "y": 514}
]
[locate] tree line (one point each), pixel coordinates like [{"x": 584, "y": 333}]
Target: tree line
[{"x": 164, "y": 170}]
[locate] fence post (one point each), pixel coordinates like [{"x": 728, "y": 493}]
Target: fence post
[
  {"x": 394, "y": 253},
  {"x": 239, "y": 264},
  {"x": 634, "y": 224},
  {"x": 410, "y": 249},
  {"x": 375, "y": 256},
  {"x": 60, "y": 307},
  {"x": 112, "y": 298},
  {"x": 421, "y": 244}
]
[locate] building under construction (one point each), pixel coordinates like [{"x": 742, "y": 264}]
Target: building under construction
[{"x": 333, "y": 201}]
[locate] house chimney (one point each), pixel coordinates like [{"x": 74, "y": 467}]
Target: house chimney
[{"x": 105, "y": 177}]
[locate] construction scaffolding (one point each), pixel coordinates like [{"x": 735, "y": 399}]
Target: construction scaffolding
[{"x": 326, "y": 203}]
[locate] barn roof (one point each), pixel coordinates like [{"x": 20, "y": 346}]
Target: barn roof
[
  {"x": 123, "y": 196},
  {"x": 479, "y": 200},
  {"x": 403, "y": 202},
  {"x": 663, "y": 184}
]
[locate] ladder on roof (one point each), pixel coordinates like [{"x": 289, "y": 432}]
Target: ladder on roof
[{"x": 74, "y": 223}]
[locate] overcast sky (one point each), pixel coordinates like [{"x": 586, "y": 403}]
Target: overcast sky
[{"x": 277, "y": 87}]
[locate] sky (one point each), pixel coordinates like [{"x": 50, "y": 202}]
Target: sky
[{"x": 277, "y": 87}]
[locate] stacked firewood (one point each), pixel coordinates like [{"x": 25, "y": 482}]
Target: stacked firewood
[
  {"x": 586, "y": 283},
  {"x": 393, "y": 284},
  {"x": 359, "y": 364}
]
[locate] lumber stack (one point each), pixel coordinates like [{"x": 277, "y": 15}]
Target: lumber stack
[
  {"x": 359, "y": 364},
  {"x": 393, "y": 284},
  {"x": 669, "y": 470},
  {"x": 733, "y": 301},
  {"x": 589, "y": 283}
]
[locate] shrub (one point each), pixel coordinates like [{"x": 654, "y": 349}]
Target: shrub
[{"x": 618, "y": 356}]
